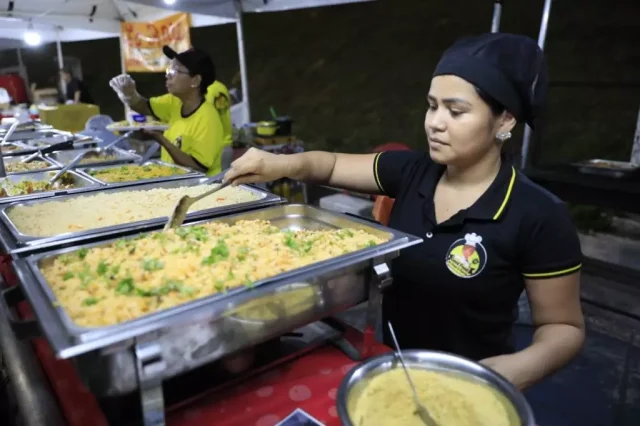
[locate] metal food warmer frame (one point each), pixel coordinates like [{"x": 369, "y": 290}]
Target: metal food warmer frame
[
  {"x": 15, "y": 243},
  {"x": 86, "y": 182},
  {"x": 141, "y": 353}
]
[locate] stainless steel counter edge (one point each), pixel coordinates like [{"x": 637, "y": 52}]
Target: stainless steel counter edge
[
  {"x": 65, "y": 346},
  {"x": 204, "y": 309}
]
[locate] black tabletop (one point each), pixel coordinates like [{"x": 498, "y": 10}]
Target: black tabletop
[{"x": 573, "y": 186}]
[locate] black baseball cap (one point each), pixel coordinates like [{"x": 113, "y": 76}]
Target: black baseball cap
[
  {"x": 510, "y": 68},
  {"x": 197, "y": 61}
]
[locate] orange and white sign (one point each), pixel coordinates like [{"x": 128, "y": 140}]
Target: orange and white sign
[{"x": 142, "y": 42}]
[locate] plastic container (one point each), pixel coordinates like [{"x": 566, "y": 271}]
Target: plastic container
[{"x": 343, "y": 203}]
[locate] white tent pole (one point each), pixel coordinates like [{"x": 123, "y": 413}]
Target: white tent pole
[
  {"x": 497, "y": 14},
  {"x": 19, "y": 53},
  {"x": 60, "y": 63},
  {"x": 243, "y": 64},
  {"x": 23, "y": 72},
  {"x": 123, "y": 68},
  {"x": 635, "y": 150},
  {"x": 541, "y": 40},
  {"x": 59, "y": 49}
]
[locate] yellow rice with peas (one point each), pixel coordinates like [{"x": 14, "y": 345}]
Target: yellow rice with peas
[
  {"x": 130, "y": 173},
  {"x": 129, "y": 278}
]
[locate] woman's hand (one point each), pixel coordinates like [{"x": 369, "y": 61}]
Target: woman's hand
[{"x": 259, "y": 166}]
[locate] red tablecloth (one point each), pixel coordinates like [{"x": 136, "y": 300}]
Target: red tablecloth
[{"x": 309, "y": 382}]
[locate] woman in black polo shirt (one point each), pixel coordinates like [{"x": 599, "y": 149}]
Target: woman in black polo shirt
[{"x": 489, "y": 232}]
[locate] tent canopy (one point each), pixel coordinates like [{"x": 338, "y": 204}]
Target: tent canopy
[
  {"x": 76, "y": 20},
  {"x": 227, "y": 8}
]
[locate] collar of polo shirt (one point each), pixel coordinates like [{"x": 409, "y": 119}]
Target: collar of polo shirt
[{"x": 492, "y": 204}]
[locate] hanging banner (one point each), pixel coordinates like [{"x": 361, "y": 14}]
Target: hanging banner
[{"x": 142, "y": 42}]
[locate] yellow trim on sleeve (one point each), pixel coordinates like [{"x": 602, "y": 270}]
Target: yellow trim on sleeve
[
  {"x": 375, "y": 173},
  {"x": 555, "y": 273},
  {"x": 506, "y": 197}
]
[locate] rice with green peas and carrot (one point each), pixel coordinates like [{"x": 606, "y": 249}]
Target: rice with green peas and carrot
[{"x": 130, "y": 278}]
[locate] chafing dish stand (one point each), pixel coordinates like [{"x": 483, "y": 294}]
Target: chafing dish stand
[{"x": 36, "y": 402}]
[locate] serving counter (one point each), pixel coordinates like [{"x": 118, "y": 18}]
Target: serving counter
[
  {"x": 143, "y": 354},
  {"x": 133, "y": 343},
  {"x": 308, "y": 380}
]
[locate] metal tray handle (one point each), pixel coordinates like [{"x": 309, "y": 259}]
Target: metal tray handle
[{"x": 23, "y": 329}]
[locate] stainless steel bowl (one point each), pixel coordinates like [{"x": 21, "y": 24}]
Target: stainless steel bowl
[{"x": 355, "y": 382}]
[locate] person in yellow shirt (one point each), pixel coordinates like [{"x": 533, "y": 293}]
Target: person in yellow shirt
[
  {"x": 194, "y": 138},
  {"x": 218, "y": 96}
]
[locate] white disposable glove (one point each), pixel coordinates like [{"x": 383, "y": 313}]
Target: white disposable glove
[{"x": 125, "y": 87}]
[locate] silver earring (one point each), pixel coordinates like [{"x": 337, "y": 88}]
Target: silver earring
[{"x": 503, "y": 136}]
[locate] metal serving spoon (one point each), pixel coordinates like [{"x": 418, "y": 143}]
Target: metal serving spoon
[
  {"x": 180, "y": 211},
  {"x": 421, "y": 410},
  {"x": 79, "y": 157}
]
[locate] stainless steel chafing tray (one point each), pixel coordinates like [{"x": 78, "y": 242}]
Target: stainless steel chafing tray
[
  {"x": 26, "y": 130},
  {"x": 19, "y": 158},
  {"x": 19, "y": 244},
  {"x": 81, "y": 183},
  {"x": 121, "y": 156},
  {"x": 203, "y": 330},
  {"x": 187, "y": 173},
  {"x": 46, "y": 136},
  {"x": 17, "y": 148}
]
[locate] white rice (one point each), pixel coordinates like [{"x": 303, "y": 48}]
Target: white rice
[{"x": 107, "y": 209}]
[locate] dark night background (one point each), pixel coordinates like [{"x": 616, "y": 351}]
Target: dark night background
[{"x": 355, "y": 76}]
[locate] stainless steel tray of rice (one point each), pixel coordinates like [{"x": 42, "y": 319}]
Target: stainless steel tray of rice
[
  {"x": 203, "y": 291},
  {"x": 136, "y": 174},
  {"x": 111, "y": 156},
  {"x": 31, "y": 130},
  {"x": 15, "y": 164},
  {"x": 455, "y": 390},
  {"x": 17, "y": 148},
  {"x": 110, "y": 212},
  {"x": 42, "y": 138},
  {"x": 34, "y": 185}
]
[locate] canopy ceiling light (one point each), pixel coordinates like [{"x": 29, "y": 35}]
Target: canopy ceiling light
[{"x": 32, "y": 37}]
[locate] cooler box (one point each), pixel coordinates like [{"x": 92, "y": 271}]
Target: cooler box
[
  {"x": 70, "y": 118},
  {"x": 343, "y": 203}
]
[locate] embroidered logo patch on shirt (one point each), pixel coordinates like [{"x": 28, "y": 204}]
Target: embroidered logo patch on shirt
[
  {"x": 467, "y": 257},
  {"x": 221, "y": 102}
]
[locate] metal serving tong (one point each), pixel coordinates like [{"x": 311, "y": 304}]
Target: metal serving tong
[
  {"x": 40, "y": 152},
  {"x": 182, "y": 207},
  {"x": 421, "y": 410},
  {"x": 7, "y": 135},
  {"x": 92, "y": 152}
]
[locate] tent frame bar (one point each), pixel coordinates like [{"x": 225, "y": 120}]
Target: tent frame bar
[{"x": 542, "y": 36}]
